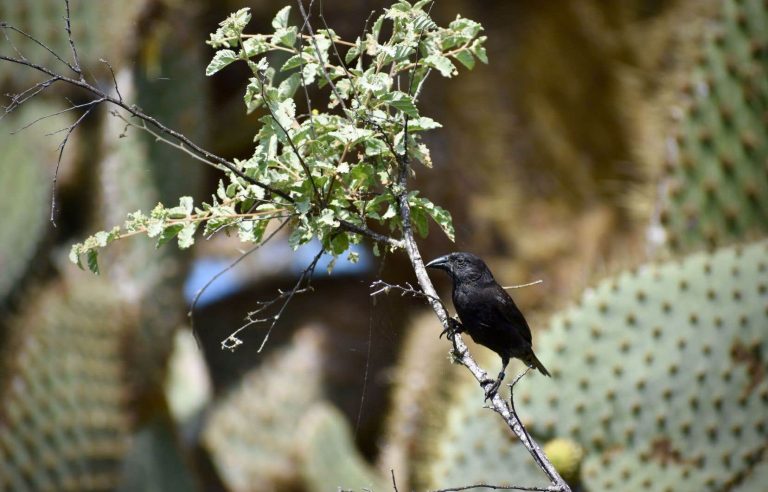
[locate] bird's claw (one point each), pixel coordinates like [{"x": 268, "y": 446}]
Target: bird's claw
[
  {"x": 454, "y": 327},
  {"x": 491, "y": 392}
]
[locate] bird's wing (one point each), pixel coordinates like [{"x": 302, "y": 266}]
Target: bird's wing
[{"x": 509, "y": 311}]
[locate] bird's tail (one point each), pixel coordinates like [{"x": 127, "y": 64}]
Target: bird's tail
[{"x": 532, "y": 361}]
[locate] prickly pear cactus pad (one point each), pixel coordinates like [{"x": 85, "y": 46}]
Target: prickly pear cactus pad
[
  {"x": 329, "y": 458},
  {"x": 251, "y": 433},
  {"x": 25, "y": 172},
  {"x": 63, "y": 408},
  {"x": 716, "y": 188},
  {"x": 660, "y": 374},
  {"x": 471, "y": 446}
]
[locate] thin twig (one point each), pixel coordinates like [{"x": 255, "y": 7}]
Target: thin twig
[
  {"x": 159, "y": 138},
  {"x": 300, "y": 53},
  {"x": 520, "y": 286},
  {"x": 201, "y": 291},
  {"x": 135, "y": 111},
  {"x": 114, "y": 79},
  {"x": 394, "y": 482},
  {"x": 62, "y": 145},
  {"x": 406, "y": 290},
  {"x": 320, "y": 57},
  {"x": 232, "y": 341},
  {"x": 51, "y": 115},
  {"x": 302, "y": 162},
  {"x": 68, "y": 27},
  {"x": 37, "y": 42},
  {"x": 498, "y": 487}
]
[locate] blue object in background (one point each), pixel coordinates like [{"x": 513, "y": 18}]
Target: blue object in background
[{"x": 271, "y": 259}]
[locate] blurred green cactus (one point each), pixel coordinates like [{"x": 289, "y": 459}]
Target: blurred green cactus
[
  {"x": 423, "y": 384},
  {"x": 661, "y": 368},
  {"x": 251, "y": 433},
  {"x": 26, "y": 168},
  {"x": 329, "y": 458},
  {"x": 716, "y": 184},
  {"x": 93, "y": 23},
  {"x": 63, "y": 415},
  {"x": 471, "y": 445}
]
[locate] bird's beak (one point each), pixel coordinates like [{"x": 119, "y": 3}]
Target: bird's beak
[{"x": 441, "y": 263}]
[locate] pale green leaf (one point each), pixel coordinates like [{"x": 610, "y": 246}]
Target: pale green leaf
[
  {"x": 281, "y": 19},
  {"x": 221, "y": 59}
]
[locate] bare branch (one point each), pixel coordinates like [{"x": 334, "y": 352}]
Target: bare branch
[
  {"x": 159, "y": 138},
  {"x": 394, "y": 482},
  {"x": 498, "y": 487},
  {"x": 51, "y": 115},
  {"x": 461, "y": 352},
  {"x": 201, "y": 291},
  {"x": 62, "y": 146},
  {"x": 520, "y": 286},
  {"x": 135, "y": 111},
  {"x": 114, "y": 79},
  {"x": 301, "y": 74},
  {"x": 37, "y": 42},
  {"x": 379, "y": 238},
  {"x": 24, "y": 96},
  {"x": 305, "y": 16},
  {"x": 262, "y": 79},
  {"x": 406, "y": 290},
  {"x": 68, "y": 26},
  {"x": 232, "y": 341}
]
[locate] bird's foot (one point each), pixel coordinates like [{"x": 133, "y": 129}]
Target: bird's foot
[
  {"x": 454, "y": 326},
  {"x": 491, "y": 392}
]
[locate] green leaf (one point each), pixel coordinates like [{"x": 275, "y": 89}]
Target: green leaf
[
  {"x": 74, "y": 254},
  {"x": 376, "y": 30},
  {"x": 479, "y": 50},
  {"x": 230, "y": 30},
  {"x": 255, "y": 46},
  {"x": 294, "y": 62},
  {"x": 424, "y": 23},
  {"x": 187, "y": 204},
  {"x": 221, "y": 59},
  {"x": 187, "y": 235},
  {"x": 419, "y": 219},
  {"x": 466, "y": 27},
  {"x": 285, "y": 36},
  {"x": 401, "y": 101},
  {"x": 423, "y": 123},
  {"x": 92, "y": 258},
  {"x": 169, "y": 232},
  {"x": 285, "y": 112},
  {"x": 352, "y": 53},
  {"x": 441, "y": 63},
  {"x": 288, "y": 87},
  {"x": 465, "y": 58},
  {"x": 252, "y": 97},
  {"x": 281, "y": 19},
  {"x": 339, "y": 243},
  {"x": 426, "y": 207},
  {"x": 377, "y": 83}
]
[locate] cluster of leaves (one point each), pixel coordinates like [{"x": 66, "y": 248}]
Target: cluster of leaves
[{"x": 336, "y": 169}]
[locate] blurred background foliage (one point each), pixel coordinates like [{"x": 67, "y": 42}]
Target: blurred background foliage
[{"x": 616, "y": 150}]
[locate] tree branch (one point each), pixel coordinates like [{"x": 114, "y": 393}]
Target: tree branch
[
  {"x": 498, "y": 404},
  {"x": 138, "y": 113},
  {"x": 149, "y": 122}
]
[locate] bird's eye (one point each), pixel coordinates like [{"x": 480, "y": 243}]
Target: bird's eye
[{"x": 460, "y": 262}]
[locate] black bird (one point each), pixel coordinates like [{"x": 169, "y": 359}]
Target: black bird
[{"x": 487, "y": 312}]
